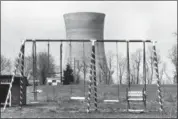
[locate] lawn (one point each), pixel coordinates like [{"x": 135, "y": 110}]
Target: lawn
[{"x": 54, "y": 102}]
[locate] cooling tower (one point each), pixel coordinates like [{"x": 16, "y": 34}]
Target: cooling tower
[{"x": 85, "y": 25}]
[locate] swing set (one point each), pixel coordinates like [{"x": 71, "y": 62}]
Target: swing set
[{"x": 130, "y": 95}]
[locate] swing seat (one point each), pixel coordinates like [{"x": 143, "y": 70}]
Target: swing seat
[
  {"x": 136, "y": 110},
  {"x": 111, "y": 101},
  {"x": 135, "y": 96},
  {"x": 135, "y": 99},
  {"x": 77, "y": 98}
]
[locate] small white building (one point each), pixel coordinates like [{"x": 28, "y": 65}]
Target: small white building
[{"x": 53, "y": 80}]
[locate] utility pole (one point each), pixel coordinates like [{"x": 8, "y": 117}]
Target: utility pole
[
  {"x": 48, "y": 60},
  {"x": 61, "y": 61}
]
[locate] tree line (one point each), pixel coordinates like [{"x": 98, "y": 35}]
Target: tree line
[{"x": 43, "y": 69}]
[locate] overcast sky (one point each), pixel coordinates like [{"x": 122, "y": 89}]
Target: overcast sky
[{"x": 155, "y": 20}]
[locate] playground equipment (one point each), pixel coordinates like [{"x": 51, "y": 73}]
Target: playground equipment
[
  {"x": 157, "y": 76},
  {"x": 34, "y": 42},
  {"x": 140, "y": 96},
  {"x": 136, "y": 96},
  {"x": 116, "y": 100},
  {"x": 84, "y": 76},
  {"x": 92, "y": 79},
  {"x": 77, "y": 98},
  {"x": 92, "y": 71},
  {"x": 20, "y": 62},
  {"x": 34, "y": 72}
]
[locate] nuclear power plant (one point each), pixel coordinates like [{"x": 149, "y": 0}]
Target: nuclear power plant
[{"x": 85, "y": 26}]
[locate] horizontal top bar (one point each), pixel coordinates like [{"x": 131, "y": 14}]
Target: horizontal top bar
[{"x": 84, "y": 40}]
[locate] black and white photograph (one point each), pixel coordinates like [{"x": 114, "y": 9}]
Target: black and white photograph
[{"x": 88, "y": 59}]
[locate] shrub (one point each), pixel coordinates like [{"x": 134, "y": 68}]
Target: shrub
[{"x": 68, "y": 75}]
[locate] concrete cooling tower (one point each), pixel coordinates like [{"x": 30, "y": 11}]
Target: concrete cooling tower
[{"x": 85, "y": 25}]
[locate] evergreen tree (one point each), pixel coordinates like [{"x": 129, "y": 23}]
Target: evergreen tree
[{"x": 68, "y": 75}]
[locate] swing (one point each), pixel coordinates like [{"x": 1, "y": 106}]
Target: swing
[
  {"x": 114, "y": 101},
  {"x": 78, "y": 97},
  {"x": 136, "y": 96}
]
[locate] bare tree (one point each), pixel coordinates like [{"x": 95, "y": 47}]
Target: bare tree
[
  {"x": 133, "y": 73},
  {"x": 85, "y": 68},
  {"x": 136, "y": 63},
  {"x": 173, "y": 58},
  {"x": 165, "y": 72},
  {"x": 150, "y": 63},
  {"x": 28, "y": 65},
  {"x": 104, "y": 71},
  {"x": 149, "y": 73},
  {"x": 107, "y": 69},
  {"x": 162, "y": 72},
  {"x": 110, "y": 59},
  {"x": 5, "y": 65},
  {"x": 77, "y": 72},
  {"x": 42, "y": 66},
  {"x": 121, "y": 66}
]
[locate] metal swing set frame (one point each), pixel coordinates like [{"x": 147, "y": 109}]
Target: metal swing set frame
[{"x": 22, "y": 53}]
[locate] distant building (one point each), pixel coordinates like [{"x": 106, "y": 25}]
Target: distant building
[{"x": 53, "y": 80}]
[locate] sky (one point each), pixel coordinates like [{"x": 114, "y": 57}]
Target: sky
[{"x": 154, "y": 20}]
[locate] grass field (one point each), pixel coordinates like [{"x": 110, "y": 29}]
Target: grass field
[{"x": 54, "y": 102}]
